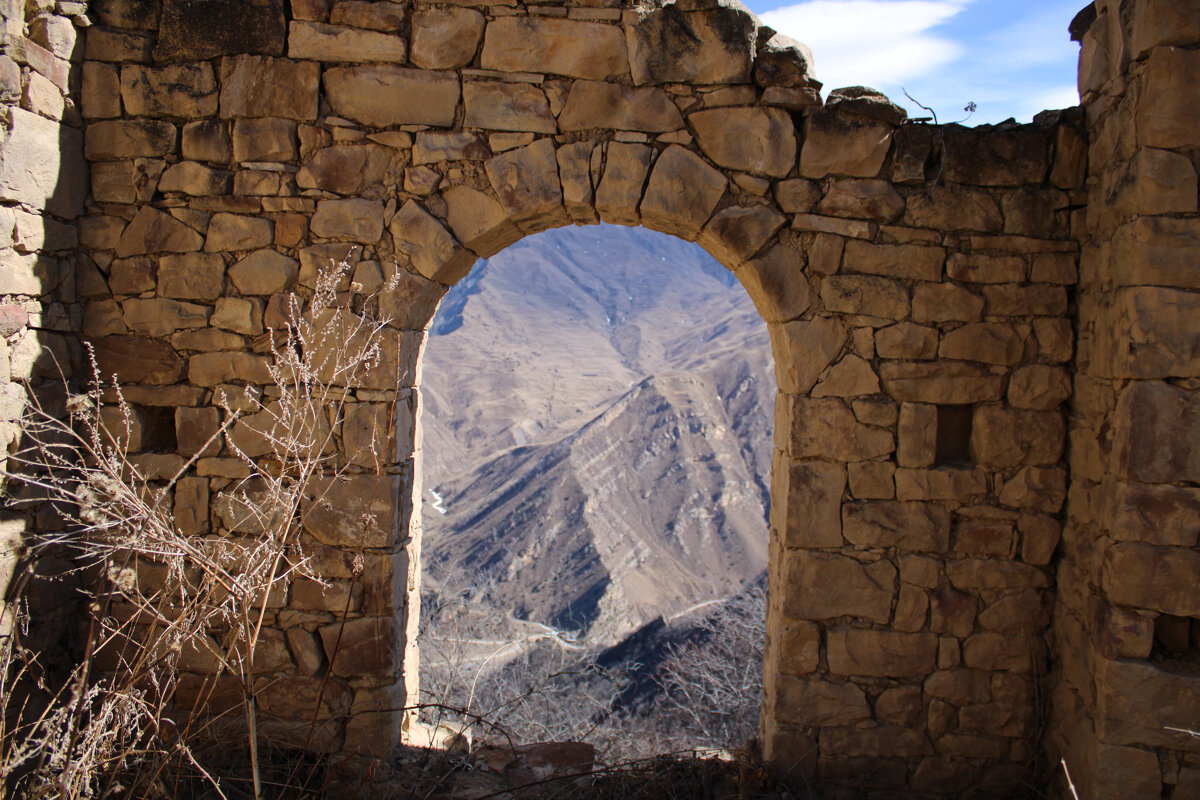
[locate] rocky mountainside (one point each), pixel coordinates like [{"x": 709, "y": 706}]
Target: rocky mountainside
[{"x": 597, "y": 432}]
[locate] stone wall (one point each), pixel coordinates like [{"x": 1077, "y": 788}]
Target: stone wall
[
  {"x": 1125, "y": 627},
  {"x": 918, "y": 283},
  {"x": 42, "y": 188}
]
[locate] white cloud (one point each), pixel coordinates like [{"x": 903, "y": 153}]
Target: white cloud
[{"x": 880, "y": 43}]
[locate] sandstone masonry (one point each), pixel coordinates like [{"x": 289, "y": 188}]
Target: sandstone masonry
[{"x": 922, "y": 286}]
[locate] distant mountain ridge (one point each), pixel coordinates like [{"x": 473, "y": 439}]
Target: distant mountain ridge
[{"x": 597, "y": 419}]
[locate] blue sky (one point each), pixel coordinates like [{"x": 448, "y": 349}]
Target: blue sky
[{"x": 1012, "y": 58}]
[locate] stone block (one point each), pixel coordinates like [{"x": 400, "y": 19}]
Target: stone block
[
  {"x": 158, "y": 316},
  {"x": 195, "y": 179},
  {"x": 1008, "y": 300},
  {"x": 825, "y": 702},
  {"x": 983, "y": 268},
  {"x": 941, "y": 383},
  {"x": 797, "y": 196},
  {"x": 384, "y": 95},
  {"x": 826, "y": 428},
  {"x": 881, "y": 653},
  {"x": 800, "y": 647},
  {"x": 119, "y": 46},
  {"x": 986, "y": 342},
  {"x": 502, "y": 106},
  {"x": 775, "y": 280},
  {"x": 527, "y": 186},
  {"x": 195, "y": 434},
  {"x": 916, "y": 435},
  {"x": 943, "y": 483},
  {"x": 255, "y": 86},
  {"x": 1152, "y": 182},
  {"x": 575, "y": 174},
  {"x": 1039, "y": 387},
  {"x": 434, "y": 146},
  {"x": 843, "y": 144},
  {"x": 353, "y": 510},
  {"x": 264, "y": 272},
  {"x": 100, "y": 95},
  {"x": 850, "y": 377},
  {"x": 1004, "y": 651},
  {"x": 708, "y": 46},
  {"x": 865, "y": 295},
  {"x": 237, "y": 232},
  {"x": 1165, "y": 118},
  {"x": 1036, "y": 489},
  {"x": 995, "y": 157},
  {"x": 136, "y": 359},
  {"x": 1158, "y": 579},
  {"x": 152, "y": 231},
  {"x": 804, "y": 348},
  {"x": 894, "y": 261},
  {"x": 191, "y": 276},
  {"x": 478, "y": 220},
  {"x": 238, "y": 315},
  {"x": 1157, "y": 433},
  {"x": 984, "y": 537},
  {"x": 737, "y": 233},
  {"x": 207, "y": 140},
  {"x": 918, "y": 527},
  {"x": 191, "y": 31},
  {"x": 176, "y": 90},
  {"x": 374, "y": 16},
  {"x": 318, "y": 41},
  {"x": 945, "y": 302},
  {"x": 267, "y": 139},
  {"x": 445, "y": 38},
  {"x": 213, "y": 369},
  {"x": 1160, "y": 515},
  {"x": 1156, "y": 251},
  {"x": 592, "y": 104},
  {"x": 954, "y": 208},
  {"x": 343, "y": 169},
  {"x": 751, "y": 139},
  {"x": 872, "y": 480},
  {"x": 862, "y": 199},
  {"x": 576, "y": 49},
  {"x": 905, "y": 340},
  {"x": 847, "y": 587},
  {"x": 354, "y": 220},
  {"x": 432, "y": 249},
  {"x": 620, "y": 189},
  {"x": 808, "y": 503},
  {"x": 974, "y": 574}
]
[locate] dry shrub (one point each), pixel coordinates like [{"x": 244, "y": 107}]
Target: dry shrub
[{"x": 159, "y": 600}]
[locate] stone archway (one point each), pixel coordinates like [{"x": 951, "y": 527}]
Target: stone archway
[{"x": 913, "y": 284}]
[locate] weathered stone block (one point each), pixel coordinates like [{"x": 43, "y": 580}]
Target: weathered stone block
[
  {"x": 986, "y": 342},
  {"x": 863, "y": 199},
  {"x": 577, "y": 49},
  {"x": 710, "y": 46},
  {"x": 1158, "y": 579},
  {"x": 254, "y": 86},
  {"x": 1165, "y": 117},
  {"x": 591, "y": 104},
  {"x": 847, "y": 587},
  {"x": 944, "y": 483},
  {"x": 809, "y": 500},
  {"x": 1157, "y": 433},
  {"x": 152, "y": 231},
  {"x": 810, "y": 346},
  {"x": 850, "y": 377},
  {"x": 478, "y": 220},
  {"x": 987, "y": 157},
  {"x": 353, "y": 510},
  {"x": 445, "y": 38},
  {"x": 267, "y": 139},
  {"x": 192, "y": 178},
  {"x": 237, "y": 232},
  {"x": 264, "y": 272},
  {"x": 921, "y": 527},
  {"x": 945, "y": 302},
  {"x": 433, "y": 250},
  {"x": 775, "y": 280},
  {"x": 737, "y": 233},
  {"x": 192, "y": 276},
  {"x": 752, "y": 139},
  {"x": 906, "y": 341},
  {"x": 501, "y": 106},
  {"x": 988, "y": 574},
  {"x": 527, "y": 186},
  {"x": 825, "y": 702},
  {"x": 682, "y": 192},
  {"x": 948, "y": 383},
  {"x": 213, "y": 369},
  {"x": 180, "y": 90},
  {"x": 190, "y": 31},
  {"x": 881, "y": 654},
  {"x": 865, "y": 295},
  {"x": 355, "y": 220},
  {"x": 917, "y": 435},
  {"x": 318, "y": 41},
  {"x": 843, "y": 144},
  {"x": 1036, "y": 489}
]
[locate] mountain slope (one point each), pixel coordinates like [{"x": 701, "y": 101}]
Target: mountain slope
[{"x": 596, "y": 416}]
